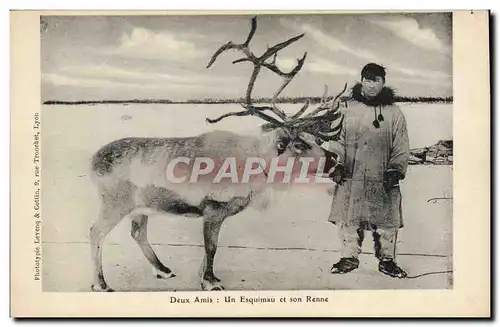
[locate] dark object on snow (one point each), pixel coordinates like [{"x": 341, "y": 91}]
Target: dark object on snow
[{"x": 440, "y": 153}]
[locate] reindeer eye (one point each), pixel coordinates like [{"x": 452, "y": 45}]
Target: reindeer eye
[
  {"x": 300, "y": 146},
  {"x": 280, "y": 146}
]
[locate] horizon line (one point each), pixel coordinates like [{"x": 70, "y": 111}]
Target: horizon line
[{"x": 312, "y": 100}]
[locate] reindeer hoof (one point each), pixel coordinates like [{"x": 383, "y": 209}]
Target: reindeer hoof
[
  {"x": 98, "y": 288},
  {"x": 162, "y": 275},
  {"x": 208, "y": 286}
]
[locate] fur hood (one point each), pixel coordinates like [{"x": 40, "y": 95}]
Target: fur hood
[{"x": 384, "y": 98}]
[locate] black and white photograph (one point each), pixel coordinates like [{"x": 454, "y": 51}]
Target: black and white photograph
[
  {"x": 251, "y": 163},
  {"x": 247, "y": 152}
]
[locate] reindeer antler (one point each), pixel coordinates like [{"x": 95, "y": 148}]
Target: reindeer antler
[
  {"x": 258, "y": 63},
  {"x": 321, "y": 126},
  {"x": 312, "y": 123}
]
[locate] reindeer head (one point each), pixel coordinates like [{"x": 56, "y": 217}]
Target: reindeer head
[{"x": 298, "y": 135}]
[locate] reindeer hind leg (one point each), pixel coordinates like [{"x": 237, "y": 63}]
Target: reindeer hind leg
[
  {"x": 108, "y": 220},
  {"x": 117, "y": 202}
]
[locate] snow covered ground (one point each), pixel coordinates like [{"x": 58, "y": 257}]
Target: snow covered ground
[{"x": 289, "y": 247}]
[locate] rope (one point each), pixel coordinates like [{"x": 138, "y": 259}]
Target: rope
[
  {"x": 430, "y": 273},
  {"x": 443, "y": 198}
]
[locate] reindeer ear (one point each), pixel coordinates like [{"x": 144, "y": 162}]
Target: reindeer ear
[{"x": 268, "y": 127}]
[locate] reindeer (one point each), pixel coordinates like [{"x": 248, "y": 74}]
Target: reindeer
[{"x": 129, "y": 173}]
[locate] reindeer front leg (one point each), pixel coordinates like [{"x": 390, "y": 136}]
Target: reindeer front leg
[
  {"x": 214, "y": 213},
  {"x": 211, "y": 229}
]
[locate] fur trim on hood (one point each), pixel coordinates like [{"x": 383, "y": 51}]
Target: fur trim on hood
[{"x": 384, "y": 98}]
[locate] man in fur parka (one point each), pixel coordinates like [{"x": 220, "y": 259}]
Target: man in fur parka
[{"x": 374, "y": 153}]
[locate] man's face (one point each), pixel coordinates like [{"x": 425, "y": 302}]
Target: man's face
[{"x": 372, "y": 88}]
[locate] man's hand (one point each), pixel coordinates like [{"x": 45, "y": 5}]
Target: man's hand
[
  {"x": 337, "y": 173},
  {"x": 391, "y": 179}
]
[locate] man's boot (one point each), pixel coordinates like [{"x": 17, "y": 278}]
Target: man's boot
[
  {"x": 389, "y": 267},
  {"x": 344, "y": 265}
]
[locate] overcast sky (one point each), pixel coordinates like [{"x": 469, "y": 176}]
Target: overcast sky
[{"x": 164, "y": 57}]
